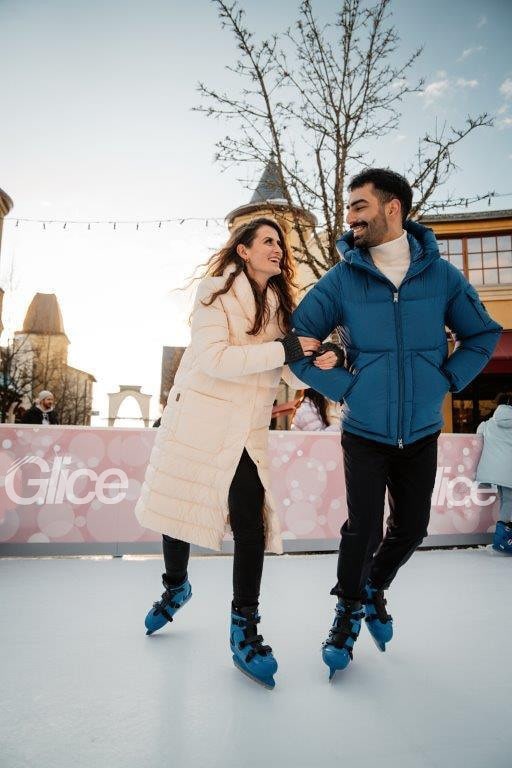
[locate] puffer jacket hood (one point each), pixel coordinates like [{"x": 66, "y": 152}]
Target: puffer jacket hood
[
  {"x": 503, "y": 416},
  {"x": 422, "y": 243}
]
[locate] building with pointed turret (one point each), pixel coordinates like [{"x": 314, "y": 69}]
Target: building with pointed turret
[{"x": 41, "y": 348}]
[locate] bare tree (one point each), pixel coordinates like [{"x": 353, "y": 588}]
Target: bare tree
[
  {"x": 16, "y": 377},
  {"x": 73, "y": 403},
  {"x": 310, "y": 98}
]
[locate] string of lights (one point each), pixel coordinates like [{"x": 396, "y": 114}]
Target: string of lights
[
  {"x": 17, "y": 222},
  {"x": 467, "y": 201},
  {"x": 114, "y": 223}
]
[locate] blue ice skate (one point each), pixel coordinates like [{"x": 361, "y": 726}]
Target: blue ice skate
[
  {"x": 171, "y": 601},
  {"x": 378, "y": 620},
  {"x": 502, "y": 540},
  {"x": 337, "y": 649},
  {"x": 249, "y": 654}
]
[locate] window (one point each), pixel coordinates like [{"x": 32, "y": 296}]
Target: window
[
  {"x": 485, "y": 260},
  {"x": 478, "y": 401}
]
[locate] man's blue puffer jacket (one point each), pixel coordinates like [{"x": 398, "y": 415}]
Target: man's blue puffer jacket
[{"x": 398, "y": 370}]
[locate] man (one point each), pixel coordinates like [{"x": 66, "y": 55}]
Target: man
[
  {"x": 390, "y": 298},
  {"x": 42, "y": 412}
]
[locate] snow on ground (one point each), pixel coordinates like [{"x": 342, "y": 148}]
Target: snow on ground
[{"x": 82, "y": 685}]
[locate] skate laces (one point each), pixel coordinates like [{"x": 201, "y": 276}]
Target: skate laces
[
  {"x": 167, "y": 601},
  {"x": 251, "y": 637},
  {"x": 342, "y": 628},
  {"x": 375, "y": 598}
]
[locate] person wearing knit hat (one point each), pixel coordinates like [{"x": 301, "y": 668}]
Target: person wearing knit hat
[{"x": 42, "y": 411}]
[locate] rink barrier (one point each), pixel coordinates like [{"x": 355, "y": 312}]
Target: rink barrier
[{"x": 72, "y": 491}]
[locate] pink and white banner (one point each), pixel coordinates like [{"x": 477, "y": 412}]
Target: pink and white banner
[{"x": 79, "y": 485}]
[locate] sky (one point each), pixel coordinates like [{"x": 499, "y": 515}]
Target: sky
[{"x": 97, "y": 125}]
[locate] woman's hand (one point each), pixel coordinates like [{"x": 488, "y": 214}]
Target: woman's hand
[
  {"x": 326, "y": 361},
  {"x": 309, "y": 346},
  {"x": 330, "y": 355}
]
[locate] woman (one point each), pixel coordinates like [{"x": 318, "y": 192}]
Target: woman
[
  {"x": 208, "y": 466},
  {"x": 311, "y": 415},
  {"x": 495, "y": 466}
]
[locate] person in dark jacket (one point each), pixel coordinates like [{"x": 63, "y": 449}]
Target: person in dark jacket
[
  {"x": 390, "y": 297},
  {"x": 42, "y": 411}
]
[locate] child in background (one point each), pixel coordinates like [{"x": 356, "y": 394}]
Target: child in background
[
  {"x": 495, "y": 467},
  {"x": 312, "y": 414}
]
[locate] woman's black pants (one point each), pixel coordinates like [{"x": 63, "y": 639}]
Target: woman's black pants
[
  {"x": 245, "y": 501},
  {"x": 409, "y": 475}
]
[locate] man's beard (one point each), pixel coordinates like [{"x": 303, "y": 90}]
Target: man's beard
[{"x": 373, "y": 233}]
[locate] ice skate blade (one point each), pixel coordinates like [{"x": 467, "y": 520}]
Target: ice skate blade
[
  {"x": 268, "y": 683},
  {"x": 335, "y": 667},
  {"x": 380, "y": 645}
]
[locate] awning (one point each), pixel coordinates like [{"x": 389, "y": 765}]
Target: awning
[{"x": 501, "y": 361}]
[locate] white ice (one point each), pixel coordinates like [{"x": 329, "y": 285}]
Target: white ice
[{"x": 82, "y": 686}]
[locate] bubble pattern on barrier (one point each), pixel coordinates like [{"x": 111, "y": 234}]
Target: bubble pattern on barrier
[{"x": 73, "y": 485}]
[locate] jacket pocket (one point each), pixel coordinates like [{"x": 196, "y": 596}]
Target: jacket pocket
[
  {"x": 430, "y": 386},
  {"x": 366, "y": 405},
  {"x": 202, "y": 422},
  {"x": 478, "y": 307}
]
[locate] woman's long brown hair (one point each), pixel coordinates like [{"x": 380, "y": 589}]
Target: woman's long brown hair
[{"x": 283, "y": 284}]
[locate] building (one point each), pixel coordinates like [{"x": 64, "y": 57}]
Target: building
[
  {"x": 480, "y": 245},
  {"x": 41, "y": 352}
]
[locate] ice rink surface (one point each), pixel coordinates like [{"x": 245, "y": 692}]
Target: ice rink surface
[{"x": 83, "y": 687}]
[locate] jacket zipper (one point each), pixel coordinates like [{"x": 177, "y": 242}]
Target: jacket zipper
[
  {"x": 400, "y": 367},
  {"x": 379, "y": 276}
]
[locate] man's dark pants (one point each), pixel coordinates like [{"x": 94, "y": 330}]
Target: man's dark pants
[{"x": 409, "y": 475}]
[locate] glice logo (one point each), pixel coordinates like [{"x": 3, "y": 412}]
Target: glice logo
[
  {"x": 60, "y": 485},
  {"x": 460, "y": 491}
]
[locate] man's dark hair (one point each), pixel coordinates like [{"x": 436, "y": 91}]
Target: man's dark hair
[{"x": 388, "y": 185}]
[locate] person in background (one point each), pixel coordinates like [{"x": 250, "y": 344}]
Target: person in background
[
  {"x": 312, "y": 414},
  {"x": 495, "y": 466},
  {"x": 42, "y": 412}
]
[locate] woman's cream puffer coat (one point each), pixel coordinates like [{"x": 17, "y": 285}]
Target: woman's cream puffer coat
[{"x": 221, "y": 402}]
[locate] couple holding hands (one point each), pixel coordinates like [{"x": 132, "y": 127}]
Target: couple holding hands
[{"x": 390, "y": 297}]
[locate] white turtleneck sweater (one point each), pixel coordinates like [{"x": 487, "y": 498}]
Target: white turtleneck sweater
[{"x": 393, "y": 258}]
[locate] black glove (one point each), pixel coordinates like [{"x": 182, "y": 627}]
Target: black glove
[
  {"x": 330, "y": 346},
  {"x": 292, "y": 348}
]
